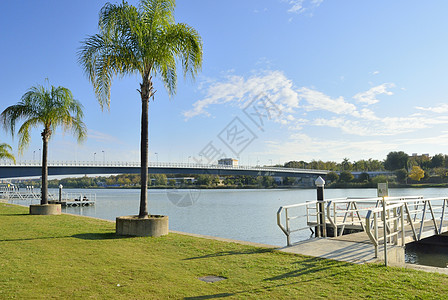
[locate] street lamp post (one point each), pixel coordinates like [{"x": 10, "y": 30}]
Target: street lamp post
[
  {"x": 157, "y": 157},
  {"x": 104, "y": 156},
  {"x": 94, "y": 154}
]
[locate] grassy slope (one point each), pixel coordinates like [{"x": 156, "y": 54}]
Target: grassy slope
[{"x": 73, "y": 257}]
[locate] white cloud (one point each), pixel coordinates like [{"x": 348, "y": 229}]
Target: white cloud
[
  {"x": 319, "y": 101},
  {"x": 309, "y": 107},
  {"x": 302, "y": 146},
  {"x": 387, "y": 126},
  {"x": 236, "y": 90},
  {"x": 101, "y": 137},
  {"x": 301, "y": 6},
  {"x": 440, "y": 109},
  {"x": 369, "y": 97},
  {"x": 375, "y": 72},
  {"x": 440, "y": 140}
]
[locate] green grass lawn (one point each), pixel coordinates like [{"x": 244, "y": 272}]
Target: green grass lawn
[{"x": 74, "y": 257}]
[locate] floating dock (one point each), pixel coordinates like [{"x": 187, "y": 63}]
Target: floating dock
[
  {"x": 65, "y": 199},
  {"x": 73, "y": 203}
]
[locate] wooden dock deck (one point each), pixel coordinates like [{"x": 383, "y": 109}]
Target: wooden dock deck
[{"x": 73, "y": 203}]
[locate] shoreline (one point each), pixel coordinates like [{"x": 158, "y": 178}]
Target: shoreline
[
  {"x": 348, "y": 186},
  {"x": 425, "y": 268}
]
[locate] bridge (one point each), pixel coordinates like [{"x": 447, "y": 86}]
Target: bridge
[
  {"x": 362, "y": 230},
  {"x": 59, "y": 168}
]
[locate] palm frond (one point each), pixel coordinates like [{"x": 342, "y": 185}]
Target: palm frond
[
  {"x": 5, "y": 152},
  {"x": 47, "y": 107},
  {"x": 157, "y": 13},
  {"x": 186, "y": 44}
]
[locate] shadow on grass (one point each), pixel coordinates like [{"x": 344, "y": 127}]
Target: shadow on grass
[
  {"x": 309, "y": 266},
  {"x": 13, "y": 215},
  {"x": 100, "y": 236},
  {"x": 83, "y": 236},
  {"x": 222, "y": 295},
  {"x": 34, "y": 238},
  {"x": 320, "y": 267},
  {"x": 226, "y": 253}
]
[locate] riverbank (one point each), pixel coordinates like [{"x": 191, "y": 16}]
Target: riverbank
[
  {"x": 74, "y": 257},
  {"x": 254, "y": 187}
]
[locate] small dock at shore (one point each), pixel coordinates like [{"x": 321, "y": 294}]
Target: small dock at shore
[
  {"x": 73, "y": 202},
  {"x": 65, "y": 199},
  {"x": 363, "y": 230}
]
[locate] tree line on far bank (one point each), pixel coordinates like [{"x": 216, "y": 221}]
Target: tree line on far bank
[
  {"x": 394, "y": 161},
  {"x": 164, "y": 181},
  {"x": 404, "y": 170}
]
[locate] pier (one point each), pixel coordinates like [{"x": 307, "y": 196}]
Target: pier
[
  {"x": 361, "y": 230},
  {"x": 30, "y": 193}
]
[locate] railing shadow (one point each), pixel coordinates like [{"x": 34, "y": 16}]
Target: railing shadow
[
  {"x": 309, "y": 266},
  {"x": 227, "y": 253}
]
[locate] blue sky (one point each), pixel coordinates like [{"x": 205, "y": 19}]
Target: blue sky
[{"x": 281, "y": 80}]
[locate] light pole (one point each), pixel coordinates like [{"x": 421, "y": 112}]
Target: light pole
[
  {"x": 189, "y": 159},
  {"x": 157, "y": 157},
  {"x": 40, "y": 155},
  {"x": 34, "y": 155},
  {"x": 94, "y": 154},
  {"x": 104, "y": 156},
  {"x": 270, "y": 161}
]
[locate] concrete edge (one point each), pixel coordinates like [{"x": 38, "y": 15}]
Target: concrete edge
[
  {"x": 209, "y": 237},
  {"x": 428, "y": 269}
]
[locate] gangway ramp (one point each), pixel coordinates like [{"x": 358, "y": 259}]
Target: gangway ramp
[{"x": 384, "y": 226}]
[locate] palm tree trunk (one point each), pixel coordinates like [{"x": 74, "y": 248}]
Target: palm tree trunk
[
  {"x": 44, "y": 188},
  {"x": 144, "y": 147}
]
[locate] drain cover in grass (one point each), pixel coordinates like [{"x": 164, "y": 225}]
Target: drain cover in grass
[{"x": 211, "y": 278}]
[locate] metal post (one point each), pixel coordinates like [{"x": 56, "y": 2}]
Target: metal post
[
  {"x": 60, "y": 193},
  {"x": 403, "y": 241},
  {"x": 288, "y": 239},
  {"x": 384, "y": 231},
  {"x": 322, "y": 228}
]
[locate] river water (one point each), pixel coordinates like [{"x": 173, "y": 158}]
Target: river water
[{"x": 248, "y": 215}]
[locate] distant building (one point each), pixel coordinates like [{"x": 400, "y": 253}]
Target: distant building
[{"x": 228, "y": 162}]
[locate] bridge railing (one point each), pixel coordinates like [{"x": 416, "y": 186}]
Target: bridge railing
[
  {"x": 359, "y": 214},
  {"x": 407, "y": 219},
  {"x": 159, "y": 165},
  {"x": 299, "y": 217}
]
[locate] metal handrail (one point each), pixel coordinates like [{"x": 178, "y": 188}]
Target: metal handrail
[
  {"x": 394, "y": 216},
  {"x": 342, "y": 212},
  {"x": 157, "y": 165}
]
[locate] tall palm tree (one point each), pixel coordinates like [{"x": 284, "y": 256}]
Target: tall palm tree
[
  {"x": 146, "y": 42},
  {"x": 47, "y": 107},
  {"x": 5, "y": 152}
]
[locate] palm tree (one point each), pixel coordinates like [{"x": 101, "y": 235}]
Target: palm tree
[
  {"x": 5, "y": 152},
  {"x": 49, "y": 107},
  {"x": 146, "y": 42}
]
